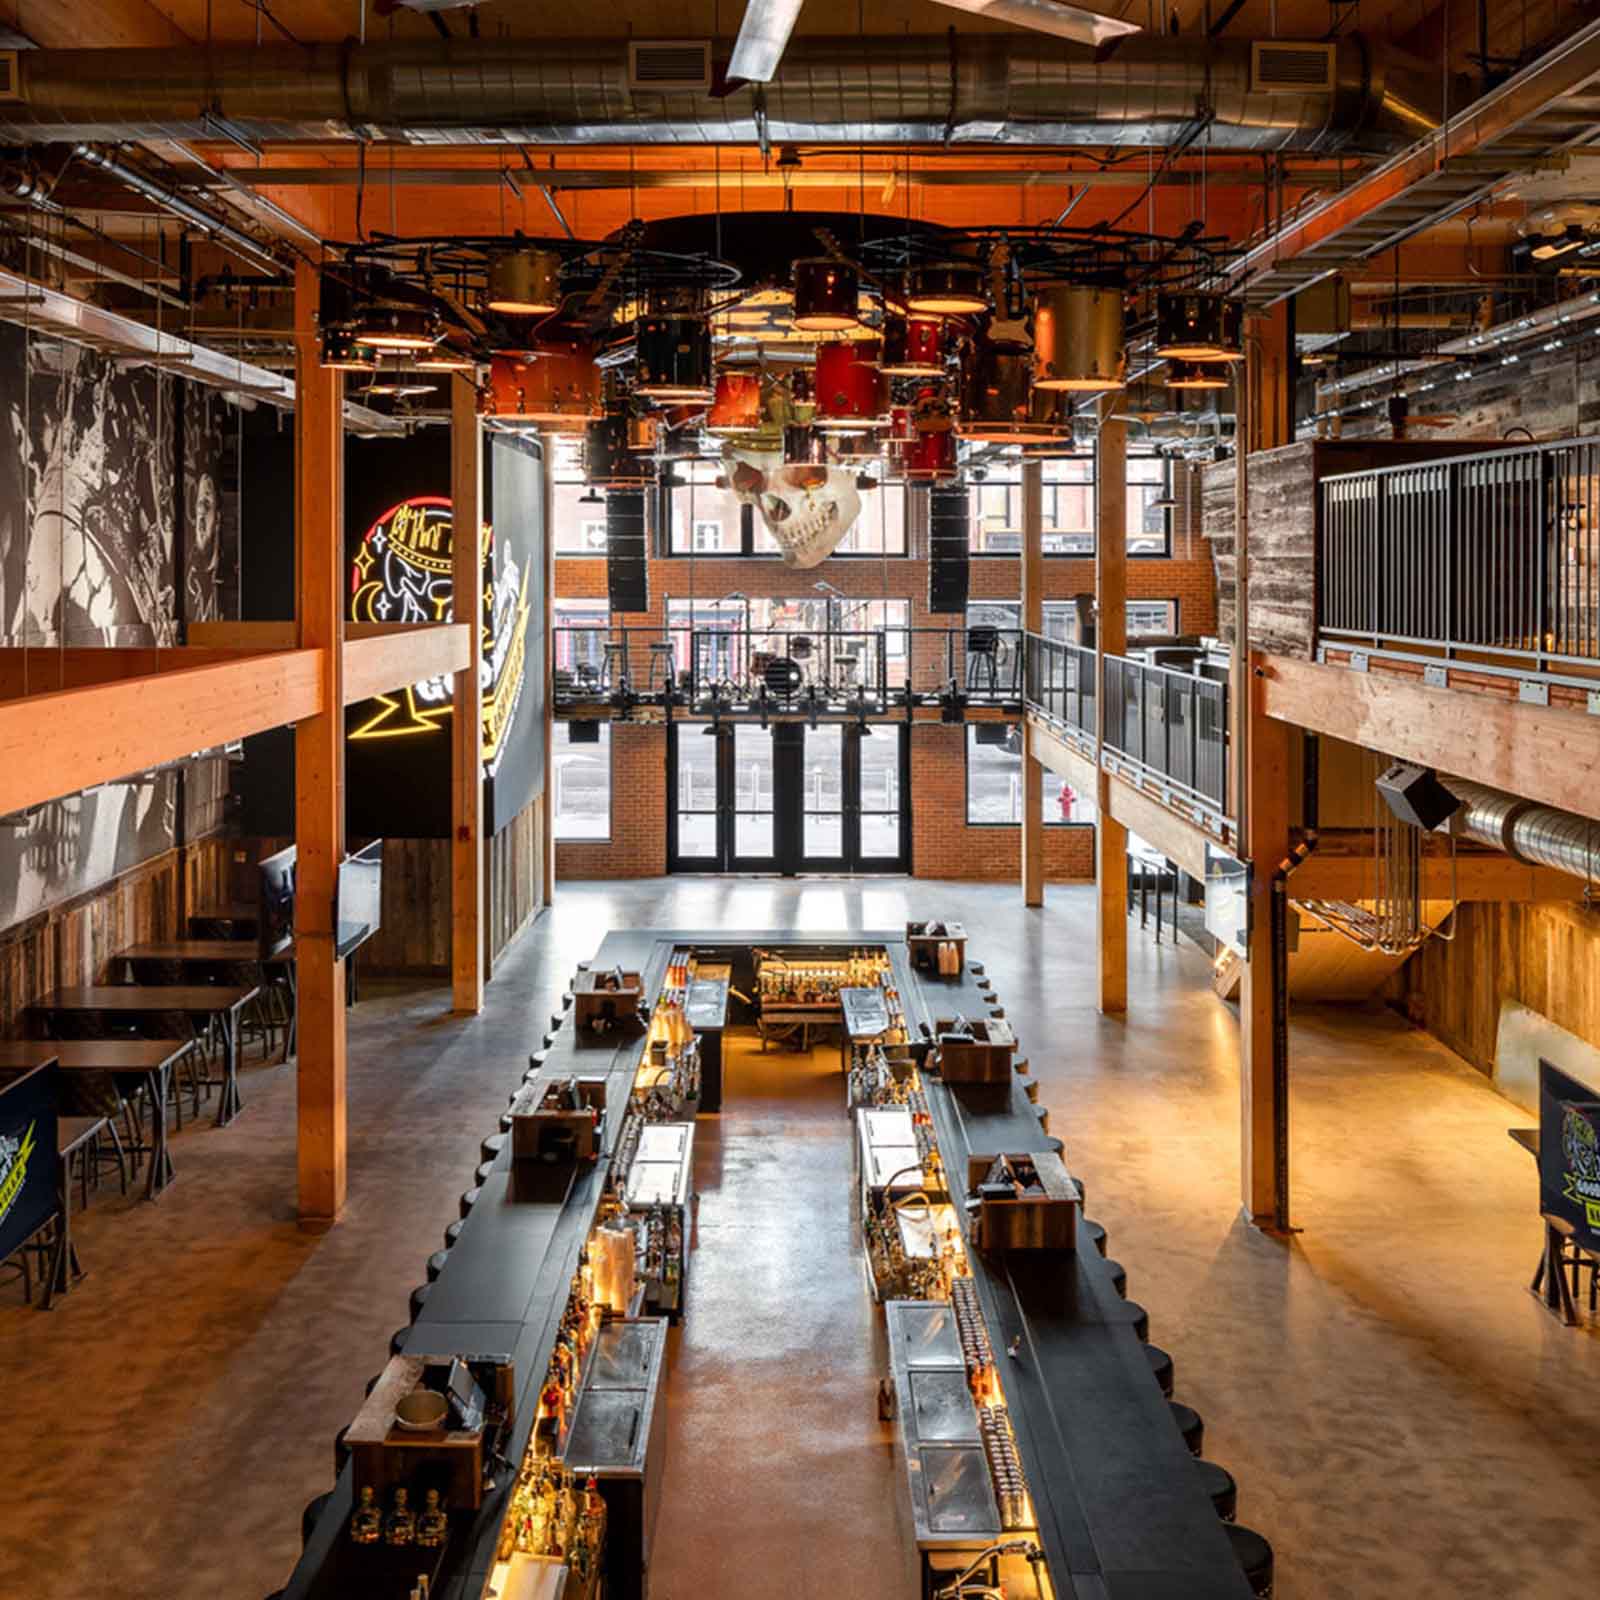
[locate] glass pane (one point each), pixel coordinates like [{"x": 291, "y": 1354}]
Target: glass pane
[
  {"x": 705, "y": 519},
  {"x": 582, "y": 785},
  {"x": 824, "y": 837},
  {"x": 1063, "y": 803},
  {"x": 697, "y": 834},
  {"x": 824, "y": 769},
  {"x": 880, "y": 771},
  {"x": 752, "y": 770},
  {"x": 752, "y": 837},
  {"x": 580, "y": 629},
  {"x": 880, "y": 836},
  {"x": 994, "y": 773},
  {"x": 697, "y": 767}
]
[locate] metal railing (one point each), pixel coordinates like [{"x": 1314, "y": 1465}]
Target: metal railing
[
  {"x": 1060, "y": 683},
  {"x": 1173, "y": 724},
  {"x": 1495, "y": 556}
]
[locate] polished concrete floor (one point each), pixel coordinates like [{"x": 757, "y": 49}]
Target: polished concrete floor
[{"x": 1402, "y": 1417}]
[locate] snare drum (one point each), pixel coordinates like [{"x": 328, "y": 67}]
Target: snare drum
[
  {"x": 913, "y": 347},
  {"x": 929, "y": 457},
  {"x": 736, "y": 406},
  {"x": 996, "y": 400},
  {"x": 852, "y": 394}
]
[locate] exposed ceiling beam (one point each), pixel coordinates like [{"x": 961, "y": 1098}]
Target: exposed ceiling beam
[{"x": 72, "y": 24}]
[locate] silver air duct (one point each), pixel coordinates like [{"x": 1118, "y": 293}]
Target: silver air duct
[
  {"x": 1539, "y": 835},
  {"x": 927, "y": 89}
]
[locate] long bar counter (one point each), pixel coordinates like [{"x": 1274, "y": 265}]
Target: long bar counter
[{"x": 1119, "y": 1509}]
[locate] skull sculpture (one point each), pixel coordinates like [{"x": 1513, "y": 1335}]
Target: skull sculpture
[{"x": 807, "y": 509}]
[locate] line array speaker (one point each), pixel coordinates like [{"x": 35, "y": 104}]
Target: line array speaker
[
  {"x": 949, "y": 540},
  {"x": 627, "y": 569}
]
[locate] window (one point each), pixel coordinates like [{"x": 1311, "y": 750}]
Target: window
[
  {"x": 577, "y": 512},
  {"x": 1068, "y": 508},
  {"x": 994, "y": 781},
  {"x": 702, "y": 516},
  {"x": 708, "y": 537},
  {"x": 1147, "y": 617},
  {"x": 579, "y": 630},
  {"x": 582, "y": 784},
  {"x": 1061, "y": 617},
  {"x": 845, "y": 635},
  {"x": 879, "y": 530}
]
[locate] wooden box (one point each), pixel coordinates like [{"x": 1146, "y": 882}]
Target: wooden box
[
  {"x": 983, "y": 1058},
  {"x": 384, "y": 1456},
  {"x": 599, "y": 1009},
  {"x": 532, "y": 1120},
  {"x": 922, "y": 946},
  {"x": 1042, "y": 1215}
]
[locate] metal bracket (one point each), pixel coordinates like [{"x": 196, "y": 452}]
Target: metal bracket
[
  {"x": 1533, "y": 694},
  {"x": 1436, "y": 677},
  {"x": 1358, "y": 660}
]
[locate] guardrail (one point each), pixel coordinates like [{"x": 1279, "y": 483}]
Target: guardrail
[
  {"x": 1060, "y": 683},
  {"x": 1495, "y": 557}
]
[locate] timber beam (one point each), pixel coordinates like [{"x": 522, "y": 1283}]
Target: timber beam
[
  {"x": 1475, "y": 877},
  {"x": 1536, "y": 752}
]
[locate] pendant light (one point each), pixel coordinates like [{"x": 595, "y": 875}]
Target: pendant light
[
  {"x": 826, "y": 295},
  {"x": 342, "y": 351},
  {"x": 1077, "y": 339},
  {"x": 396, "y": 327},
  {"x": 952, "y": 290},
  {"x": 674, "y": 358},
  {"x": 1199, "y": 327},
  {"x": 1186, "y": 376},
  {"x": 445, "y": 357},
  {"x": 525, "y": 283},
  {"x": 913, "y": 347}
]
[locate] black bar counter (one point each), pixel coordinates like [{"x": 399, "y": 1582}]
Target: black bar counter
[{"x": 1122, "y": 1511}]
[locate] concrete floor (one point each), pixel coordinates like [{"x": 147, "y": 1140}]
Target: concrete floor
[{"x": 1403, "y": 1418}]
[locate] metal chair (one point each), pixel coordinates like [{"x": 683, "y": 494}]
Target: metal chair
[{"x": 983, "y": 646}]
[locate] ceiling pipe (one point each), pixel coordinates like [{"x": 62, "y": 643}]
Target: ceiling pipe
[
  {"x": 904, "y": 89},
  {"x": 1539, "y": 835}
]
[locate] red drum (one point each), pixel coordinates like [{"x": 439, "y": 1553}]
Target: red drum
[
  {"x": 557, "y": 385},
  {"x": 852, "y": 394},
  {"x": 736, "y": 406},
  {"x": 913, "y": 347},
  {"x": 929, "y": 457}
]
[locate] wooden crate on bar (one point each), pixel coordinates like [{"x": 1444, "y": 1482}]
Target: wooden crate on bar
[
  {"x": 922, "y": 946},
  {"x": 1040, "y": 1213},
  {"x": 533, "y": 1120},
  {"x": 984, "y": 1057},
  {"x": 592, "y": 1001}
]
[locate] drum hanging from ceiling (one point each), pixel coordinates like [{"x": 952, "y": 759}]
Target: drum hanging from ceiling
[
  {"x": 996, "y": 400},
  {"x": 929, "y": 457},
  {"x": 803, "y": 446},
  {"x": 913, "y": 347},
  {"x": 1199, "y": 327},
  {"x": 557, "y": 386},
  {"x": 674, "y": 358},
  {"x": 951, "y": 290},
  {"x": 610, "y": 461},
  {"x": 852, "y": 394},
  {"x": 736, "y": 405},
  {"x": 1077, "y": 338},
  {"x": 644, "y": 433},
  {"x": 826, "y": 295}
]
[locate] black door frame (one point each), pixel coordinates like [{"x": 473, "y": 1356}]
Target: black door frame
[{"x": 788, "y": 805}]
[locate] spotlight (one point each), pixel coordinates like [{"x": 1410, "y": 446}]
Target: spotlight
[
  {"x": 825, "y": 296},
  {"x": 948, "y": 291},
  {"x": 1415, "y": 795},
  {"x": 1199, "y": 327},
  {"x": 525, "y": 283}
]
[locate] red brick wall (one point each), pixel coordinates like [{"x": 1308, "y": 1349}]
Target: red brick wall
[{"x": 637, "y": 847}]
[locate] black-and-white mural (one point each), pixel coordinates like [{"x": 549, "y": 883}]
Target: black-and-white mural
[{"x": 95, "y": 528}]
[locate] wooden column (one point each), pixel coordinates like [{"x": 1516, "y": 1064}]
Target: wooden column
[
  {"x": 1110, "y": 638},
  {"x": 547, "y": 815},
  {"x": 1032, "y": 622},
  {"x": 466, "y": 735},
  {"x": 319, "y": 763}
]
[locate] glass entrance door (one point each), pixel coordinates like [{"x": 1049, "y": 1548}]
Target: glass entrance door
[{"x": 789, "y": 798}]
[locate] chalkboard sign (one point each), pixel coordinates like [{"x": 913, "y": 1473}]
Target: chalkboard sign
[
  {"x": 1569, "y": 1153},
  {"x": 29, "y": 1156}
]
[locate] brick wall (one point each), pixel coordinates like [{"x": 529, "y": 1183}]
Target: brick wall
[{"x": 943, "y": 845}]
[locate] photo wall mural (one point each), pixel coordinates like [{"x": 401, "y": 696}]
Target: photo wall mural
[{"x": 113, "y": 482}]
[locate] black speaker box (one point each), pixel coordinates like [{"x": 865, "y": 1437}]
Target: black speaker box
[
  {"x": 949, "y": 550},
  {"x": 627, "y": 565},
  {"x": 583, "y": 733},
  {"x": 1414, "y": 795}
]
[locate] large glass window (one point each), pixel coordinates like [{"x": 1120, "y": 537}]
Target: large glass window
[
  {"x": 580, "y": 629},
  {"x": 822, "y": 792},
  {"x": 578, "y": 513},
  {"x": 1060, "y": 618},
  {"x": 880, "y": 529},
  {"x": 1068, "y": 492},
  {"x": 753, "y": 837},
  {"x": 994, "y": 781},
  {"x": 696, "y": 799},
  {"x": 704, "y": 519},
  {"x": 582, "y": 783}
]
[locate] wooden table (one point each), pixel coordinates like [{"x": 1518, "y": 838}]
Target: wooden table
[
  {"x": 133, "y": 1000},
  {"x": 151, "y": 1059},
  {"x": 241, "y": 917},
  {"x": 201, "y": 955}
]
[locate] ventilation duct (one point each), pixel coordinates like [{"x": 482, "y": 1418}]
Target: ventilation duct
[
  {"x": 933, "y": 89},
  {"x": 1539, "y": 835}
]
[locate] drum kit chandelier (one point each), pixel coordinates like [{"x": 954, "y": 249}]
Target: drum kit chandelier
[{"x": 899, "y": 347}]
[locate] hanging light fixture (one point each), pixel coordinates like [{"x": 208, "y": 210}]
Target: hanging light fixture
[
  {"x": 525, "y": 283},
  {"x": 610, "y": 463},
  {"x": 1193, "y": 375},
  {"x": 397, "y": 383},
  {"x": 342, "y": 351},
  {"x": 674, "y": 358},
  {"x": 396, "y": 327},
  {"x": 826, "y": 295},
  {"x": 1077, "y": 339},
  {"x": 445, "y": 357},
  {"x": 953, "y": 290},
  {"x": 913, "y": 347},
  {"x": 1199, "y": 327}
]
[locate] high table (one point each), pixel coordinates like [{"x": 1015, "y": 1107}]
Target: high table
[
  {"x": 151, "y": 1059},
  {"x": 198, "y": 957},
  {"x": 130, "y": 1001},
  {"x": 240, "y": 919}
]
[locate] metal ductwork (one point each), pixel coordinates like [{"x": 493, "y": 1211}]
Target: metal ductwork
[
  {"x": 1539, "y": 835},
  {"x": 913, "y": 89}
]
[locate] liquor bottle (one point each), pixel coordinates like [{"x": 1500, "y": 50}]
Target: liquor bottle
[
  {"x": 432, "y": 1526},
  {"x": 366, "y": 1523},
  {"x": 400, "y": 1526}
]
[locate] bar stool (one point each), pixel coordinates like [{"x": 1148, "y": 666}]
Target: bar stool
[
  {"x": 452, "y": 1233},
  {"x": 1137, "y": 1318},
  {"x": 614, "y": 674},
  {"x": 1094, "y": 1231},
  {"x": 1023, "y": 1066},
  {"x": 549, "y": 1039},
  {"x": 556, "y": 1019},
  {"x": 983, "y": 649},
  {"x": 1189, "y": 1425},
  {"x": 1042, "y": 1116},
  {"x": 492, "y": 1146},
  {"x": 311, "y": 1516},
  {"x": 341, "y": 1449},
  {"x": 481, "y": 1176},
  {"x": 975, "y": 968},
  {"x": 1162, "y": 1367},
  {"x": 1254, "y": 1554},
  {"x": 566, "y": 1000},
  {"x": 1030, "y": 1087},
  {"x": 397, "y": 1341},
  {"x": 436, "y": 1264},
  {"x": 660, "y": 661},
  {"x": 1220, "y": 1486},
  {"x": 537, "y": 1058},
  {"x": 1119, "y": 1277},
  {"x": 419, "y": 1298},
  {"x": 467, "y": 1201}
]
